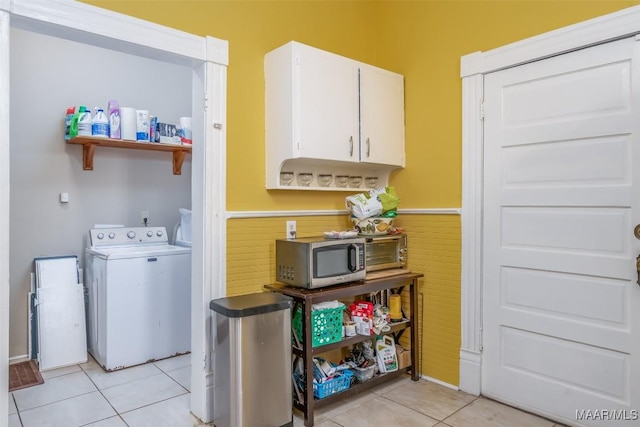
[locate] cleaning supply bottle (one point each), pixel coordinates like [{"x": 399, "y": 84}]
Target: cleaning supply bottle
[
  {"x": 73, "y": 129},
  {"x": 84, "y": 123},
  {"x": 67, "y": 122},
  {"x": 114, "y": 119},
  {"x": 100, "y": 124}
]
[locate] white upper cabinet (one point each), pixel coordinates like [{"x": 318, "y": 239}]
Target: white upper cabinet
[
  {"x": 325, "y": 98},
  {"x": 327, "y": 114},
  {"x": 381, "y": 116}
]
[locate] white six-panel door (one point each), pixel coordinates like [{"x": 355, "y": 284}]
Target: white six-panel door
[{"x": 561, "y": 199}]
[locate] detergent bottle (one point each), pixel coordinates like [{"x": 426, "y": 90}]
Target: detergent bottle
[
  {"x": 71, "y": 111},
  {"x": 100, "y": 124},
  {"x": 113, "y": 110},
  {"x": 84, "y": 123},
  {"x": 73, "y": 129}
]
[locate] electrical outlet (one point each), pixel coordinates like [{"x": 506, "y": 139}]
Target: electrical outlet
[
  {"x": 144, "y": 215},
  {"x": 291, "y": 229}
]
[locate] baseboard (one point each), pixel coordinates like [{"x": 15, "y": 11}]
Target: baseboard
[
  {"x": 204, "y": 410},
  {"x": 437, "y": 381},
  {"x": 470, "y": 372},
  {"x": 18, "y": 359}
]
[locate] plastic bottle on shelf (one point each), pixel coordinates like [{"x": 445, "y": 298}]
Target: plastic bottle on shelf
[
  {"x": 100, "y": 124},
  {"x": 153, "y": 129},
  {"x": 73, "y": 128},
  {"x": 142, "y": 125},
  {"x": 114, "y": 119},
  {"x": 71, "y": 111},
  {"x": 84, "y": 123}
]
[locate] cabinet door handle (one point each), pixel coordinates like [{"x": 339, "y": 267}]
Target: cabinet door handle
[
  {"x": 368, "y": 147},
  {"x": 350, "y": 146}
]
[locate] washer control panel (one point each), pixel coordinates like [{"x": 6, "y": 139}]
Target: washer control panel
[{"x": 126, "y": 236}]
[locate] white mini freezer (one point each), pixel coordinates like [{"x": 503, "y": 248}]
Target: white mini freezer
[{"x": 139, "y": 289}]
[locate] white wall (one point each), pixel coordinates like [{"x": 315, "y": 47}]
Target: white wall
[{"x": 47, "y": 76}]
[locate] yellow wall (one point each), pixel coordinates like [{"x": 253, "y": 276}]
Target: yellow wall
[
  {"x": 251, "y": 247},
  {"x": 423, "y": 40}
]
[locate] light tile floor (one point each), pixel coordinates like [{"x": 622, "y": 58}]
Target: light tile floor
[{"x": 157, "y": 395}]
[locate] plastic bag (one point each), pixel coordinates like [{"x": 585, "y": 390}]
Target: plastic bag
[
  {"x": 376, "y": 202},
  {"x": 362, "y": 206},
  {"x": 387, "y": 197}
]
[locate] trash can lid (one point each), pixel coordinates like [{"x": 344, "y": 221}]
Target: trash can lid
[{"x": 251, "y": 304}]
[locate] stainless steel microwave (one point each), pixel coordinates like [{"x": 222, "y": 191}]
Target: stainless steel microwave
[
  {"x": 316, "y": 262},
  {"x": 386, "y": 252}
]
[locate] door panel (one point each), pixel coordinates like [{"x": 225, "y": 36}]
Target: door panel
[
  {"x": 560, "y": 294},
  {"x": 583, "y": 90},
  {"x": 382, "y": 117},
  {"x": 579, "y": 162},
  {"x": 560, "y": 322},
  {"x": 602, "y": 371},
  {"x": 326, "y": 88},
  {"x": 564, "y": 230}
]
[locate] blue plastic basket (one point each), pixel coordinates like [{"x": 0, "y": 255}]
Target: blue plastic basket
[{"x": 335, "y": 385}]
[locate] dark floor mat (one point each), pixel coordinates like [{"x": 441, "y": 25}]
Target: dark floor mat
[{"x": 23, "y": 375}]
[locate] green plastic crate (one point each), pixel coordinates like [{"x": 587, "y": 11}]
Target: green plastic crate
[{"x": 326, "y": 325}]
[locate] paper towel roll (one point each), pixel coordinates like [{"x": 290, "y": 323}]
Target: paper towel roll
[
  {"x": 185, "y": 130},
  {"x": 128, "y": 123}
]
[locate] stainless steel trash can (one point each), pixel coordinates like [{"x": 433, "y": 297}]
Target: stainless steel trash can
[{"x": 252, "y": 361}]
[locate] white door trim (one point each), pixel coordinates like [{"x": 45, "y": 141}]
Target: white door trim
[
  {"x": 4, "y": 214},
  {"x": 209, "y": 58},
  {"x": 471, "y": 226},
  {"x": 210, "y": 269},
  {"x": 473, "y": 67}
]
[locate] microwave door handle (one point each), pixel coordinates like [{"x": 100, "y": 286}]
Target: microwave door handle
[{"x": 352, "y": 259}]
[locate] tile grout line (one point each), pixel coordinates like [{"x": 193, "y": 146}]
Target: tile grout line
[
  {"x": 460, "y": 409},
  {"x": 176, "y": 381},
  {"x": 143, "y": 406},
  {"x": 431, "y": 416},
  {"x": 105, "y": 398},
  {"x": 17, "y": 410},
  {"x": 119, "y": 414},
  {"x": 410, "y": 409},
  {"x": 55, "y": 401},
  {"x": 150, "y": 404}
]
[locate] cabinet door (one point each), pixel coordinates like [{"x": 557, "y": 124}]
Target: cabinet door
[
  {"x": 382, "y": 117},
  {"x": 326, "y": 105}
]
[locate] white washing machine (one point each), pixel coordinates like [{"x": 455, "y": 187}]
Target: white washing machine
[{"x": 139, "y": 289}]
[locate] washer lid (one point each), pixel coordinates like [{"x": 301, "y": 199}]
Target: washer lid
[
  {"x": 123, "y": 252},
  {"x": 179, "y": 242}
]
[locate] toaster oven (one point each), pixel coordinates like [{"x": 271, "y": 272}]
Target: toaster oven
[{"x": 386, "y": 252}]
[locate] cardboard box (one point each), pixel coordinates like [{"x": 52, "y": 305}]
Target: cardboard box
[
  {"x": 404, "y": 357},
  {"x": 168, "y": 134}
]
